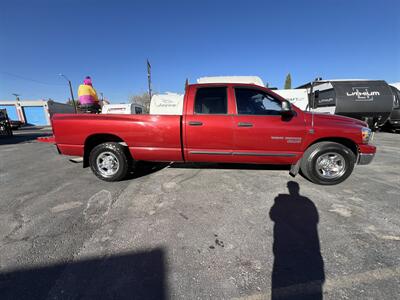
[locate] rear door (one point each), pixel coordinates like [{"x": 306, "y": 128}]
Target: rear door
[
  {"x": 208, "y": 125},
  {"x": 261, "y": 133}
]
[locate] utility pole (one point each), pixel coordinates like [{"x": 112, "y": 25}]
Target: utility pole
[
  {"x": 149, "y": 77},
  {"x": 70, "y": 89}
]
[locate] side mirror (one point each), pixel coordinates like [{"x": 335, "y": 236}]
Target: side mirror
[
  {"x": 316, "y": 94},
  {"x": 286, "y": 107},
  {"x": 287, "y": 112}
]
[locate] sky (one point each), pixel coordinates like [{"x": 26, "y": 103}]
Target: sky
[{"x": 111, "y": 40}]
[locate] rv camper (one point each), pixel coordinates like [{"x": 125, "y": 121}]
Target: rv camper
[
  {"x": 367, "y": 100},
  {"x": 393, "y": 123}
]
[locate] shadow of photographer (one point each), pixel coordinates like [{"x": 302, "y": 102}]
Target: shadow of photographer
[{"x": 298, "y": 270}]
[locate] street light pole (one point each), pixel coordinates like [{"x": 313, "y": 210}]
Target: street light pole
[
  {"x": 17, "y": 97},
  {"x": 70, "y": 89}
]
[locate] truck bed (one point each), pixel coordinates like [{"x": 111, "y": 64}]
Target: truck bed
[{"x": 149, "y": 137}]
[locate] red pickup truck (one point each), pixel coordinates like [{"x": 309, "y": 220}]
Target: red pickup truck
[{"x": 228, "y": 123}]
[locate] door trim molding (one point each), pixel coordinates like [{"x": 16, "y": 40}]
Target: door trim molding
[
  {"x": 263, "y": 154},
  {"x": 211, "y": 152},
  {"x": 242, "y": 153}
]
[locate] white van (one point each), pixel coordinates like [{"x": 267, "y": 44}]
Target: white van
[{"x": 125, "y": 109}]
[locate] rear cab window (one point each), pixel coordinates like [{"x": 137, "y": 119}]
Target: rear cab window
[{"x": 211, "y": 100}]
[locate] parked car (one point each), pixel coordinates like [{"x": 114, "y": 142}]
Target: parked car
[
  {"x": 5, "y": 126},
  {"x": 229, "y": 123},
  {"x": 15, "y": 124}
]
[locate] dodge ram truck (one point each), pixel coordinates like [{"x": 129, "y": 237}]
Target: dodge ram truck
[{"x": 222, "y": 123}]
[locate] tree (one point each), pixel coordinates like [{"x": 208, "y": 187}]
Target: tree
[
  {"x": 71, "y": 103},
  {"x": 142, "y": 99},
  {"x": 288, "y": 82}
]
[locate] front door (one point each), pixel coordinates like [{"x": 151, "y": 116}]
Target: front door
[
  {"x": 261, "y": 133},
  {"x": 208, "y": 126}
]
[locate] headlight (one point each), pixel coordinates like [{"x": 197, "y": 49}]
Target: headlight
[{"x": 366, "y": 135}]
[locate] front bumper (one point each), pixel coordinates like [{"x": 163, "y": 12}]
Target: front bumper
[
  {"x": 367, "y": 154},
  {"x": 365, "y": 158}
]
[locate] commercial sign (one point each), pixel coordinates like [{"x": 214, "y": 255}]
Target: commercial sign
[{"x": 362, "y": 94}]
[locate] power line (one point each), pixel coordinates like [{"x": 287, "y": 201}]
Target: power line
[{"x": 30, "y": 79}]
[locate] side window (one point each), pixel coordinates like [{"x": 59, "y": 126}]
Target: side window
[
  {"x": 211, "y": 101},
  {"x": 256, "y": 102},
  {"x": 138, "y": 110}
]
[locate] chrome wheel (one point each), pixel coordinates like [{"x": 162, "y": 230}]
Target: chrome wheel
[
  {"x": 107, "y": 164},
  {"x": 331, "y": 165}
]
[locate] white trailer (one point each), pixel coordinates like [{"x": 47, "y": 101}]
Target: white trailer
[
  {"x": 166, "y": 104},
  {"x": 124, "y": 109},
  {"x": 298, "y": 97}
]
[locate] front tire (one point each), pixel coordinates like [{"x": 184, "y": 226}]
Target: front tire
[
  {"x": 327, "y": 163},
  {"x": 109, "y": 161}
]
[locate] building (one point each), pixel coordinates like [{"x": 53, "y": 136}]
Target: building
[{"x": 34, "y": 112}]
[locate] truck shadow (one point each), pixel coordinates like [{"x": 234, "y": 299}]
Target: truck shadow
[
  {"x": 146, "y": 168},
  {"x": 229, "y": 166},
  {"x": 298, "y": 269},
  {"x": 139, "y": 275},
  {"x": 22, "y": 137},
  {"x": 142, "y": 169}
]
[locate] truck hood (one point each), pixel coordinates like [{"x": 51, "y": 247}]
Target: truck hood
[{"x": 334, "y": 119}]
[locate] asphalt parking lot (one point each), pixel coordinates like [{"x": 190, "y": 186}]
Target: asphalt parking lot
[{"x": 195, "y": 231}]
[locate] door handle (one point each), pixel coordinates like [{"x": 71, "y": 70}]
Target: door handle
[
  {"x": 195, "y": 123},
  {"x": 245, "y": 124}
]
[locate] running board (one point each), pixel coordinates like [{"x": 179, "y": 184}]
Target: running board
[{"x": 76, "y": 159}]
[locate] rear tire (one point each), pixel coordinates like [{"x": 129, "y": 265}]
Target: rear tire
[
  {"x": 327, "y": 163},
  {"x": 109, "y": 161}
]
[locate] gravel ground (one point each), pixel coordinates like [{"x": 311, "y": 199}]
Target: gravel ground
[{"x": 184, "y": 231}]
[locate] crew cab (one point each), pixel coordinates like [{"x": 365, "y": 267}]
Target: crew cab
[{"x": 226, "y": 123}]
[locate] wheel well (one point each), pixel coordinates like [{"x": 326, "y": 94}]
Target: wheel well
[
  {"x": 94, "y": 140},
  {"x": 345, "y": 142}
]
